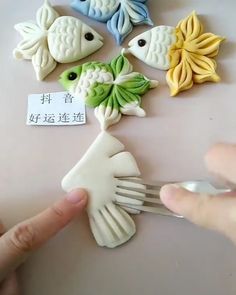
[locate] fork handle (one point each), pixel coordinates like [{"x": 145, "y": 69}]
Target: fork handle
[{"x": 202, "y": 187}]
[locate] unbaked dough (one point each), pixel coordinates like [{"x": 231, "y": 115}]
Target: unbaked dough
[
  {"x": 185, "y": 51},
  {"x": 54, "y": 39},
  {"x": 98, "y": 172},
  {"x": 112, "y": 89},
  {"x": 120, "y": 15}
]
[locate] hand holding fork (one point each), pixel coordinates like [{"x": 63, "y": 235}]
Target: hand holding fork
[
  {"x": 197, "y": 201},
  {"x": 213, "y": 212}
]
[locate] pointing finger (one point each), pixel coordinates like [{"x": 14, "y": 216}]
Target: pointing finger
[{"x": 17, "y": 243}]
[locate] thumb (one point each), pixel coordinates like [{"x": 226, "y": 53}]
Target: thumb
[
  {"x": 213, "y": 212},
  {"x": 29, "y": 235}
]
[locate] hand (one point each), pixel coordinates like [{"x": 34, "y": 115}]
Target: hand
[
  {"x": 22, "y": 239},
  {"x": 213, "y": 212}
]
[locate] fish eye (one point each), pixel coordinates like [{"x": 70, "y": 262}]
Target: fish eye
[
  {"x": 142, "y": 42},
  {"x": 89, "y": 36},
  {"x": 72, "y": 76}
]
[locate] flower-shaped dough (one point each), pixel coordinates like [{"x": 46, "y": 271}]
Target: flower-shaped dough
[
  {"x": 112, "y": 89},
  {"x": 54, "y": 39},
  {"x": 120, "y": 15},
  {"x": 185, "y": 51},
  {"x": 98, "y": 172}
]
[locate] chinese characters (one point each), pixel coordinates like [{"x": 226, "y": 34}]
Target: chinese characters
[{"x": 59, "y": 108}]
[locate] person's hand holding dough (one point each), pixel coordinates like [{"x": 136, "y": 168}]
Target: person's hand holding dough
[
  {"x": 22, "y": 239},
  {"x": 213, "y": 212}
]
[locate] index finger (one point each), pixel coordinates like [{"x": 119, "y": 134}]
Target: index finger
[
  {"x": 17, "y": 243},
  {"x": 221, "y": 161}
]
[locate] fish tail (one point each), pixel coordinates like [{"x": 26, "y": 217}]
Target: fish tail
[{"x": 111, "y": 226}]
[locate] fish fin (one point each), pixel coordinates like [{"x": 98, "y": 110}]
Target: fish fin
[
  {"x": 121, "y": 66},
  {"x": 108, "y": 112},
  {"x": 43, "y": 63},
  {"x": 138, "y": 13},
  {"x": 107, "y": 116},
  {"x": 111, "y": 226},
  {"x": 120, "y": 25},
  {"x": 129, "y": 103},
  {"x": 132, "y": 109},
  {"x": 130, "y": 168},
  {"x": 46, "y": 15}
]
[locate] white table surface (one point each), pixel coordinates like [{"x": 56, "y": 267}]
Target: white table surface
[{"x": 167, "y": 256}]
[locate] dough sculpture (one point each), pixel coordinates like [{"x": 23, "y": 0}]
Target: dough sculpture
[
  {"x": 54, "y": 39},
  {"x": 185, "y": 51},
  {"x": 120, "y": 15},
  {"x": 112, "y": 89},
  {"x": 98, "y": 172}
]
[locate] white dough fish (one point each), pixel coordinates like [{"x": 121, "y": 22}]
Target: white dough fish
[
  {"x": 153, "y": 46},
  {"x": 55, "y": 39},
  {"x": 70, "y": 40}
]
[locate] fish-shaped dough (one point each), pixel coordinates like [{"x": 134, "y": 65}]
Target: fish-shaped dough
[
  {"x": 98, "y": 172},
  {"x": 120, "y": 15},
  {"x": 154, "y": 46},
  {"x": 185, "y": 52},
  {"x": 55, "y": 39},
  {"x": 112, "y": 89},
  {"x": 100, "y": 10}
]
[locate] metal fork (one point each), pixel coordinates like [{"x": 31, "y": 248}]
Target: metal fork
[{"x": 149, "y": 193}]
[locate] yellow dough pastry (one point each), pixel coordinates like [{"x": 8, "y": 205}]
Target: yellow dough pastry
[{"x": 185, "y": 51}]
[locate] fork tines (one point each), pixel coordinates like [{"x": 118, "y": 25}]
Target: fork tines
[{"x": 131, "y": 189}]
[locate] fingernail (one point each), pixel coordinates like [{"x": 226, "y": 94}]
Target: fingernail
[
  {"x": 168, "y": 192},
  {"x": 76, "y": 196}
]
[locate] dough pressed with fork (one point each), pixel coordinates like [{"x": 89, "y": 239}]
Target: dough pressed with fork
[{"x": 98, "y": 172}]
